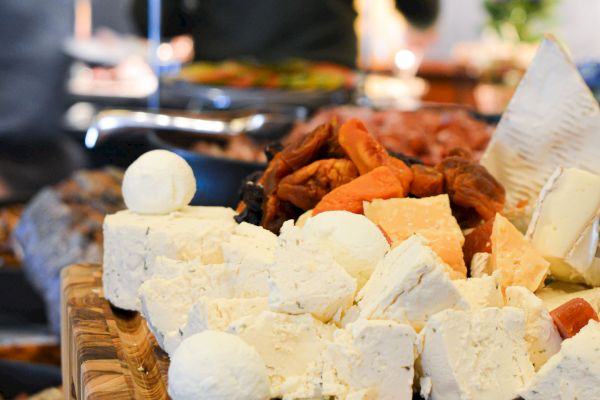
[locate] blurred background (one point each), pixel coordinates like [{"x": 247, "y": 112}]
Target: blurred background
[{"x": 86, "y": 86}]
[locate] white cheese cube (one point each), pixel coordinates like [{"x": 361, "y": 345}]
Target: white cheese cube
[
  {"x": 541, "y": 335},
  {"x": 249, "y": 244},
  {"x": 132, "y": 242},
  {"x": 292, "y": 348},
  {"x": 409, "y": 285},
  {"x": 305, "y": 279},
  {"x": 165, "y": 302},
  {"x": 480, "y": 354},
  {"x": 564, "y": 226},
  {"x": 572, "y": 373},
  {"x": 481, "y": 292},
  {"x": 218, "y": 313},
  {"x": 371, "y": 356}
]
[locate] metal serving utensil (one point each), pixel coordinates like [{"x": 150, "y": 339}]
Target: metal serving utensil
[{"x": 110, "y": 122}]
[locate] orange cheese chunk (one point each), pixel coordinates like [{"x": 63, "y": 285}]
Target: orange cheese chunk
[
  {"x": 430, "y": 217},
  {"x": 514, "y": 256}
]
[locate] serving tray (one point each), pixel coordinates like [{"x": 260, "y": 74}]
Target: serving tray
[{"x": 106, "y": 353}]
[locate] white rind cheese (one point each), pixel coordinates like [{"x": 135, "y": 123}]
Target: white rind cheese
[
  {"x": 552, "y": 120},
  {"x": 371, "y": 357},
  {"x": 409, "y": 285},
  {"x": 481, "y": 292},
  {"x": 292, "y": 347},
  {"x": 132, "y": 242},
  {"x": 573, "y": 373},
  {"x": 541, "y": 335},
  {"x": 480, "y": 354},
  {"x": 305, "y": 279},
  {"x": 218, "y": 313},
  {"x": 565, "y": 235}
]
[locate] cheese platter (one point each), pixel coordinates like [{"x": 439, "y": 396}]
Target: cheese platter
[{"x": 348, "y": 272}]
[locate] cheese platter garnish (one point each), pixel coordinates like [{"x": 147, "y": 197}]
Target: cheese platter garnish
[{"x": 363, "y": 277}]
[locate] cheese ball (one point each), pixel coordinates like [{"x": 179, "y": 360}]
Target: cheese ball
[
  {"x": 356, "y": 243},
  {"x": 158, "y": 182},
  {"x": 214, "y": 365}
]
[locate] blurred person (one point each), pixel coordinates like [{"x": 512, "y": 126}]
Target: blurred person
[
  {"x": 33, "y": 70},
  {"x": 272, "y": 30}
]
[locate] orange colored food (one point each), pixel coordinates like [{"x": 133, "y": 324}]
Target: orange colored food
[
  {"x": 380, "y": 183},
  {"x": 478, "y": 241},
  {"x": 367, "y": 153},
  {"x": 430, "y": 217},
  {"x": 427, "y": 181},
  {"x": 516, "y": 259},
  {"x": 572, "y": 316}
]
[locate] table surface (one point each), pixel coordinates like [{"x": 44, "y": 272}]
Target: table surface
[{"x": 107, "y": 353}]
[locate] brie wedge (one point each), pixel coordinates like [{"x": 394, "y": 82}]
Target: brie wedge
[
  {"x": 552, "y": 120},
  {"x": 564, "y": 226}
]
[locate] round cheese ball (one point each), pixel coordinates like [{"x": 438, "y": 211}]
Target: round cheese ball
[
  {"x": 356, "y": 243},
  {"x": 215, "y": 365},
  {"x": 158, "y": 182}
]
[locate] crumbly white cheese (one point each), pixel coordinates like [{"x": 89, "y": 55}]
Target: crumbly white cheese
[
  {"x": 132, "y": 242},
  {"x": 480, "y": 354},
  {"x": 567, "y": 236},
  {"x": 409, "y": 285},
  {"x": 481, "y": 292},
  {"x": 356, "y": 243},
  {"x": 292, "y": 348},
  {"x": 481, "y": 265},
  {"x": 371, "y": 356},
  {"x": 543, "y": 339},
  {"x": 305, "y": 279},
  {"x": 166, "y": 302},
  {"x": 218, "y": 313},
  {"x": 573, "y": 373},
  {"x": 216, "y": 365},
  {"x": 552, "y": 120}
]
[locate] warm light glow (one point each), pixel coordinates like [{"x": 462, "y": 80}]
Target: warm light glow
[
  {"x": 165, "y": 52},
  {"x": 405, "y": 60}
]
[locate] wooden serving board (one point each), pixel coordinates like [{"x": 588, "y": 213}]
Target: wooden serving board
[{"x": 107, "y": 353}]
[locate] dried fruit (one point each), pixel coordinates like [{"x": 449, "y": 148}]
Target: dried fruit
[
  {"x": 570, "y": 317},
  {"x": 380, "y": 183},
  {"x": 470, "y": 185},
  {"x": 367, "y": 153},
  {"x": 478, "y": 241},
  {"x": 307, "y": 186},
  {"x": 427, "y": 181}
]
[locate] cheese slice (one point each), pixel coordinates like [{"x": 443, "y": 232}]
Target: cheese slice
[
  {"x": 564, "y": 226},
  {"x": 430, "y": 217},
  {"x": 516, "y": 259},
  {"x": 552, "y": 120}
]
